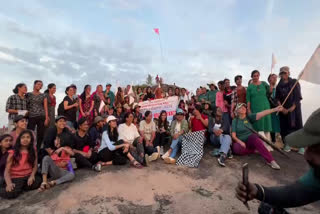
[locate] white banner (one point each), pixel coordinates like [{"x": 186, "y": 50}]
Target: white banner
[{"x": 169, "y": 104}]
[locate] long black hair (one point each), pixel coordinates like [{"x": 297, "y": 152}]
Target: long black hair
[
  {"x": 2, "y": 137},
  {"x": 113, "y": 135},
  {"x": 16, "y": 89},
  {"x": 163, "y": 123},
  {"x": 51, "y": 85},
  {"x": 83, "y": 95},
  {"x": 31, "y": 149}
]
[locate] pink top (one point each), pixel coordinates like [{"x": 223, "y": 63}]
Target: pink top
[
  {"x": 23, "y": 168},
  {"x": 220, "y": 101}
]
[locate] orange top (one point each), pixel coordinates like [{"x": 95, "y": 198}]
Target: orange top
[{"x": 23, "y": 168}]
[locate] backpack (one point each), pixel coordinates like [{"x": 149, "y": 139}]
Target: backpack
[{"x": 61, "y": 109}]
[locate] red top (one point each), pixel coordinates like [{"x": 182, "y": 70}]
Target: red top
[
  {"x": 23, "y": 168},
  {"x": 65, "y": 157},
  {"x": 197, "y": 125}
]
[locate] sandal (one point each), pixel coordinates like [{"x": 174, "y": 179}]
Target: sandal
[
  {"x": 136, "y": 164},
  {"x": 44, "y": 186},
  {"x": 52, "y": 184}
]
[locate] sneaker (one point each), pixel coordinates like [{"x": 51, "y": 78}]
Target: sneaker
[
  {"x": 287, "y": 148},
  {"x": 146, "y": 159},
  {"x": 273, "y": 164},
  {"x": 230, "y": 155},
  {"x": 170, "y": 160},
  {"x": 222, "y": 159},
  {"x": 301, "y": 151},
  {"x": 97, "y": 167},
  {"x": 166, "y": 155},
  {"x": 215, "y": 153},
  {"x": 161, "y": 150},
  {"x": 154, "y": 156}
]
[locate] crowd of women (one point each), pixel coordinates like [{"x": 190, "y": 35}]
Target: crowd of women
[{"x": 43, "y": 150}]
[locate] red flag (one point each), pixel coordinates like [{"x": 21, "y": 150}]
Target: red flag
[{"x": 156, "y": 30}]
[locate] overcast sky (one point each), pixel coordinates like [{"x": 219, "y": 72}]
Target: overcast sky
[{"x": 100, "y": 41}]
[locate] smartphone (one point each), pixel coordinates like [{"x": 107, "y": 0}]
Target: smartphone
[{"x": 245, "y": 179}]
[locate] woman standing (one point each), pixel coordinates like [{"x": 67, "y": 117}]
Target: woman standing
[
  {"x": 257, "y": 101},
  {"x": 51, "y": 103},
  {"x": 291, "y": 117},
  {"x": 238, "y": 94},
  {"x": 86, "y": 104},
  {"x": 119, "y": 97},
  {"x": 38, "y": 111},
  {"x": 272, "y": 79},
  {"x": 97, "y": 97},
  {"x": 17, "y": 104},
  {"x": 70, "y": 107}
]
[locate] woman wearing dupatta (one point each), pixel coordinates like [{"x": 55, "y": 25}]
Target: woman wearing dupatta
[
  {"x": 97, "y": 97},
  {"x": 291, "y": 117},
  {"x": 86, "y": 104}
]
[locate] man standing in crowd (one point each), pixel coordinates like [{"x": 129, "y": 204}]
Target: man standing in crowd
[
  {"x": 203, "y": 94},
  {"x": 109, "y": 93},
  {"x": 304, "y": 191},
  {"x": 211, "y": 95},
  {"x": 38, "y": 111},
  {"x": 17, "y": 104}
]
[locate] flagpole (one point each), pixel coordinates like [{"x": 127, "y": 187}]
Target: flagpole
[
  {"x": 293, "y": 87},
  {"x": 160, "y": 48}
]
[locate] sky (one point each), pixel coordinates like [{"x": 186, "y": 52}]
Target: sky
[{"x": 102, "y": 41}]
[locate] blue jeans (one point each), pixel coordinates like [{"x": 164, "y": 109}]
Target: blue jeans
[
  {"x": 224, "y": 141},
  {"x": 175, "y": 146}
]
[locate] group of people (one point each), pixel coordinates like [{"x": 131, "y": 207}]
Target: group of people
[{"x": 43, "y": 150}]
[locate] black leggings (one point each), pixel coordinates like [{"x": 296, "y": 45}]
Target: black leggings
[
  {"x": 117, "y": 156},
  {"x": 83, "y": 162},
  {"x": 161, "y": 139},
  {"x": 21, "y": 184},
  {"x": 39, "y": 123}
]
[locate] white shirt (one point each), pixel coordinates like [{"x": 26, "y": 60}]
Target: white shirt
[
  {"x": 147, "y": 129},
  {"x": 128, "y": 133},
  {"x": 177, "y": 129}
]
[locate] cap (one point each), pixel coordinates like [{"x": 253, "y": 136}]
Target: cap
[
  {"x": 284, "y": 69},
  {"x": 212, "y": 83},
  {"x": 239, "y": 105},
  {"x": 110, "y": 118},
  {"x": 60, "y": 117},
  {"x": 179, "y": 111},
  {"x": 98, "y": 119},
  {"x": 18, "y": 118},
  {"x": 203, "y": 86},
  {"x": 307, "y": 136}
]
